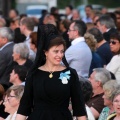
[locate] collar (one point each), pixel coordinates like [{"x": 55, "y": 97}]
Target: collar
[
  {"x": 23, "y": 83},
  {"x": 5, "y": 45},
  {"x": 107, "y": 30},
  {"x": 69, "y": 16},
  {"x": 27, "y": 38},
  {"x": 77, "y": 40}
]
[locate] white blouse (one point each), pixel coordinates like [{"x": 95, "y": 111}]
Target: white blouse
[
  {"x": 11, "y": 117},
  {"x": 114, "y": 67}
]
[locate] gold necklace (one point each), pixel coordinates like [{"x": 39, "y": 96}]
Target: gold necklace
[
  {"x": 50, "y": 75},
  {"x": 51, "y": 72}
]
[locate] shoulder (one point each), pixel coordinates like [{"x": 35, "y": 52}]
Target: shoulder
[{"x": 116, "y": 58}]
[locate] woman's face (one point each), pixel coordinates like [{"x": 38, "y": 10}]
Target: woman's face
[
  {"x": 116, "y": 104},
  {"x": 107, "y": 102},
  {"x": 11, "y": 103},
  {"x": 55, "y": 54},
  {"x": 32, "y": 46},
  {"x": 114, "y": 45}
]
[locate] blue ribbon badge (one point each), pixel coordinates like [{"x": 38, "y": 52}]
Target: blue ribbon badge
[{"x": 65, "y": 77}]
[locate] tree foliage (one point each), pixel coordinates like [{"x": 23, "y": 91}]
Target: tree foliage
[{"x": 108, "y": 3}]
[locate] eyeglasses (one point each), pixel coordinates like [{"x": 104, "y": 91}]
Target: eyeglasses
[
  {"x": 116, "y": 101},
  {"x": 70, "y": 30},
  {"x": 11, "y": 96},
  {"x": 113, "y": 42}
]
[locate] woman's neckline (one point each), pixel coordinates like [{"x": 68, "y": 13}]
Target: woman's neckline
[{"x": 54, "y": 71}]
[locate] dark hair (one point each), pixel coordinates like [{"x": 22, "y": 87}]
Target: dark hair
[
  {"x": 66, "y": 23},
  {"x": 56, "y": 42},
  {"x": 70, "y": 7},
  {"x": 116, "y": 36},
  {"x": 117, "y": 12},
  {"x": 86, "y": 89},
  {"x": 80, "y": 26},
  {"x": 90, "y": 6},
  {"x": 16, "y": 11},
  {"x": 97, "y": 34},
  {"x": 23, "y": 15},
  {"x": 21, "y": 71},
  {"x": 33, "y": 37},
  {"x": 53, "y": 10},
  {"x": 2, "y": 91}
]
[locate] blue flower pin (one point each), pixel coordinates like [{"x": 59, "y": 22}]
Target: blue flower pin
[{"x": 65, "y": 77}]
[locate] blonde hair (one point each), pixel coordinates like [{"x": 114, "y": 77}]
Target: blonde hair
[
  {"x": 110, "y": 88},
  {"x": 91, "y": 41},
  {"x": 18, "y": 90}
]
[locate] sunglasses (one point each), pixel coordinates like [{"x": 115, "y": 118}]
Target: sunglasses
[{"x": 113, "y": 42}]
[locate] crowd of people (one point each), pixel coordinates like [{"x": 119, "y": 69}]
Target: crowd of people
[{"x": 60, "y": 68}]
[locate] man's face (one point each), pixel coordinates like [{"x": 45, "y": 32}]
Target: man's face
[
  {"x": 67, "y": 11},
  {"x": 13, "y": 76},
  {"x": 71, "y": 32},
  {"x": 2, "y": 41},
  {"x": 93, "y": 81},
  {"x": 88, "y": 11},
  {"x": 100, "y": 27}
]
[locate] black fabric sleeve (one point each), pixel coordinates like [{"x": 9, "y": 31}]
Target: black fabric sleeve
[
  {"x": 26, "y": 103},
  {"x": 78, "y": 104}
]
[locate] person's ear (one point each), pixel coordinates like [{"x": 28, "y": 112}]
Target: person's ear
[
  {"x": 99, "y": 83},
  {"x": 5, "y": 40},
  {"x": 45, "y": 53}
]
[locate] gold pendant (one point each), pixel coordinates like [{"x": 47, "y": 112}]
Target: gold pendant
[{"x": 51, "y": 75}]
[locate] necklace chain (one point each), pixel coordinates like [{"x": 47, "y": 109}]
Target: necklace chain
[{"x": 51, "y": 72}]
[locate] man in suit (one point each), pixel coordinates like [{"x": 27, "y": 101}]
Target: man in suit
[
  {"x": 6, "y": 50},
  {"x": 107, "y": 26},
  {"x": 78, "y": 55}
]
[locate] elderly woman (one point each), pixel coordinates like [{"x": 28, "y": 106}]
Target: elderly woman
[
  {"x": 96, "y": 59},
  {"x": 21, "y": 54},
  {"x": 114, "y": 64},
  {"x": 116, "y": 106},
  {"x": 12, "y": 100},
  {"x": 109, "y": 89}
]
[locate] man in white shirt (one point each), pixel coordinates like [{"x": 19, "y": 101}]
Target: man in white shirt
[
  {"x": 78, "y": 55},
  {"x": 68, "y": 11}
]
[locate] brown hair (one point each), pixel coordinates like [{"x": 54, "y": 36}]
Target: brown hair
[
  {"x": 56, "y": 42},
  {"x": 33, "y": 37},
  {"x": 2, "y": 91},
  {"x": 28, "y": 22}
]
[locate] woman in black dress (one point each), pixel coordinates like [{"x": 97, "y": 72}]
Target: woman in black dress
[{"x": 49, "y": 85}]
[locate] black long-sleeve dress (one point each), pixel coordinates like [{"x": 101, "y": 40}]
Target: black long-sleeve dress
[{"x": 49, "y": 97}]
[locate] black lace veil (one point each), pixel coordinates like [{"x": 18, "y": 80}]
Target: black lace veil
[{"x": 44, "y": 35}]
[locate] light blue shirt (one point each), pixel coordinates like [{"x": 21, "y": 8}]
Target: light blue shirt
[{"x": 79, "y": 57}]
